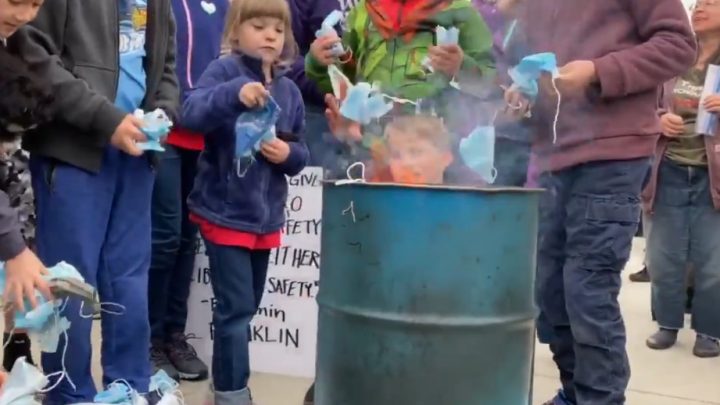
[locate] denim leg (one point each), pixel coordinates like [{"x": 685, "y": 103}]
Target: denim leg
[
  {"x": 705, "y": 256},
  {"x": 553, "y": 324},
  {"x": 166, "y": 220},
  {"x": 603, "y": 213},
  {"x": 73, "y": 208},
  {"x": 123, "y": 275},
  {"x": 669, "y": 245},
  {"x": 179, "y": 291},
  {"x": 232, "y": 275}
]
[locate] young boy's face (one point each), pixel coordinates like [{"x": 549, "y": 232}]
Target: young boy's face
[
  {"x": 16, "y": 13},
  {"x": 414, "y": 159}
]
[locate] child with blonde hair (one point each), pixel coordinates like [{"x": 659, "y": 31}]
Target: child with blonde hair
[{"x": 240, "y": 211}]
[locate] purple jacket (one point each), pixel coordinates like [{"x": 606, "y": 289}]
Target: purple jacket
[
  {"x": 307, "y": 16},
  {"x": 635, "y": 46}
]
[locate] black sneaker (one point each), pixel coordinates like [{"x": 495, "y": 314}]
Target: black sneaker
[
  {"x": 310, "y": 396},
  {"x": 642, "y": 276},
  {"x": 16, "y": 345},
  {"x": 160, "y": 361},
  {"x": 185, "y": 359}
]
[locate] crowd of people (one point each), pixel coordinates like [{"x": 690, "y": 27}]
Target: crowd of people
[{"x": 609, "y": 132}]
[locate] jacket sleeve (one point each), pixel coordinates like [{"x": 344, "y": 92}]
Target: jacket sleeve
[
  {"x": 215, "y": 98},
  {"x": 299, "y": 154},
  {"x": 11, "y": 240},
  {"x": 168, "y": 93},
  {"x": 476, "y": 42},
  {"x": 668, "y": 51},
  {"x": 75, "y": 103},
  {"x": 318, "y": 73}
]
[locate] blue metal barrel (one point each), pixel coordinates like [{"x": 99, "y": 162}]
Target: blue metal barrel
[{"x": 426, "y": 295}]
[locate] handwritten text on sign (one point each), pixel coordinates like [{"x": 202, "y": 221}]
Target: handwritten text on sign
[{"x": 284, "y": 329}]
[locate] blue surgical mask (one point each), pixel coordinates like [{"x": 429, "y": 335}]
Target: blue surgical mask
[
  {"x": 364, "y": 103},
  {"x": 444, "y": 36},
  {"x": 118, "y": 392},
  {"x": 328, "y": 28},
  {"x": 255, "y": 126},
  {"x": 23, "y": 382},
  {"x": 156, "y": 126},
  {"x": 526, "y": 74},
  {"x": 478, "y": 152}
]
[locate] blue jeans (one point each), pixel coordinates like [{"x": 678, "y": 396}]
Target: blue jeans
[
  {"x": 173, "y": 243},
  {"x": 100, "y": 223},
  {"x": 237, "y": 276},
  {"x": 685, "y": 229},
  {"x": 588, "y": 217}
]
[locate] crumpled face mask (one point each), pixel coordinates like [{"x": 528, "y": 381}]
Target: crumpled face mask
[
  {"x": 251, "y": 129},
  {"x": 478, "y": 152},
  {"x": 118, "y": 392},
  {"x": 168, "y": 389},
  {"x": 328, "y": 28},
  {"x": 444, "y": 36},
  {"x": 526, "y": 74},
  {"x": 156, "y": 126},
  {"x": 364, "y": 103},
  {"x": 22, "y": 384},
  {"x": 525, "y": 78}
]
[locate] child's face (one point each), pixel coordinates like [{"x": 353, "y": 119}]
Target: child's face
[
  {"x": 262, "y": 37},
  {"x": 706, "y": 16},
  {"x": 16, "y": 13},
  {"x": 416, "y": 160}
]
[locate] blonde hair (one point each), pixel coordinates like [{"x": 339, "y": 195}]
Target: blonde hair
[
  {"x": 243, "y": 10},
  {"x": 431, "y": 129}
]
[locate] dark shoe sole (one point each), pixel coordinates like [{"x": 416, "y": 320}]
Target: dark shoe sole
[
  {"x": 656, "y": 346},
  {"x": 706, "y": 355},
  {"x": 640, "y": 277}
]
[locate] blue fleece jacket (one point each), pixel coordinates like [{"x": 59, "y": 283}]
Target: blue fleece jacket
[{"x": 254, "y": 202}]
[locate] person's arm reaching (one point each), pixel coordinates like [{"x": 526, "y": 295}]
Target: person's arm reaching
[
  {"x": 23, "y": 269},
  {"x": 668, "y": 51}
]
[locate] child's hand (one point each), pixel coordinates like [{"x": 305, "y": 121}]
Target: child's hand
[
  {"x": 25, "y": 274},
  {"x": 321, "y": 49},
  {"x": 446, "y": 59},
  {"x": 672, "y": 124},
  {"x": 517, "y": 106},
  {"x": 254, "y": 95},
  {"x": 127, "y": 134},
  {"x": 276, "y": 151},
  {"x": 576, "y": 76},
  {"x": 342, "y": 128},
  {"x": 712, "y": 103}
]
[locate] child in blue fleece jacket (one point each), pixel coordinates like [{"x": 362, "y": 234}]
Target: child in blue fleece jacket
[{"x": 240, "y": 212}]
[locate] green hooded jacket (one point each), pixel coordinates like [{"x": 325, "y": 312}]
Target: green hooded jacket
[{"x": 397, "y": 63}]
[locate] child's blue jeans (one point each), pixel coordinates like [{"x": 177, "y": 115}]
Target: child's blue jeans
[
  {"x": 100, "y": 223},
  {"x": 588, "y": 217},
  {"x": 685, "y": 230},
  {"x": 173, "y": 243},
  {"x": 237, "y": 276}
]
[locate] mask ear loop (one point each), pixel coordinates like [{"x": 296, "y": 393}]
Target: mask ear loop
[
  {"x": 62, "y": 374},
  {"x": 557, "y": 108},
  {"x": 350, "y": 178},
  {"x": 239, "y": 171},
  {"x": 122, "y": 310},
  {"x": 348, "y": 57},
  {"x": 173, "y": 390}
]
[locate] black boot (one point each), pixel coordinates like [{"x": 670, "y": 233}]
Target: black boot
[
  {"x": 310, "y": 396},
  {"x": 19, "y": 346}
]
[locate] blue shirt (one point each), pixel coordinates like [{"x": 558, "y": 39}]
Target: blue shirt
[{"x": 132, "y": 83}]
